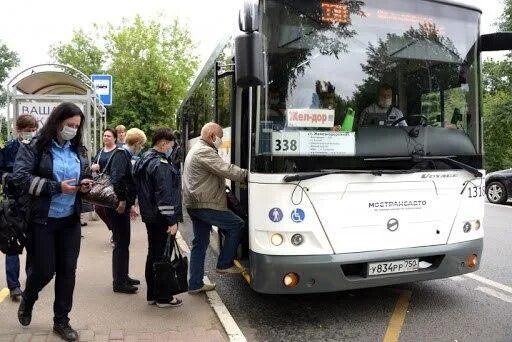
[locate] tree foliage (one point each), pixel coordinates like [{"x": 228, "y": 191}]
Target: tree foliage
[
  {"x": 8, "y": 60},
  {"x": 81, "y": 52},
  {"x": 497, "y": 86},
  {"x": 151, "y": 64}
]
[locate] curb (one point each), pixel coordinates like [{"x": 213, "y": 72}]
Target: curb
[{"x": 232, "y": 330}]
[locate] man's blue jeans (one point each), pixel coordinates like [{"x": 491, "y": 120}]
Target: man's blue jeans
[
  {"x": 202, "y": 221},
  {"x": 12, "y": 270}
]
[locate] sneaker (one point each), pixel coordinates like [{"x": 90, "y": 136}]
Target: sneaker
[
  {"x": 151, "y": 302},
  {"x": 172, "y": 304},
  {"x": 206, "y": 287},
  {"x": 231, "y": 270},
  {"x": 65, "y": 331},
  {"x": 15, "y": 294}
]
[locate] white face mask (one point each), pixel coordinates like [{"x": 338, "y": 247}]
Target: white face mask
[
  {"x": 27, "y": 135},
  {"x": 217, "y": 142},
  {"x": 385, "y": 102},
  {"x": 68, "y": 133}
]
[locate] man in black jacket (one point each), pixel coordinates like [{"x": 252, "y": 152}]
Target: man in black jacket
[{"x": 158, "y": 189}]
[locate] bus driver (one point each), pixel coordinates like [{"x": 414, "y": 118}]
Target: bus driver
[{"x": 382, "y": 113}]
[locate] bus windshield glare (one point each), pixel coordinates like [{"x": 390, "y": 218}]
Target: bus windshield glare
[{"x": 350, "y": 81}]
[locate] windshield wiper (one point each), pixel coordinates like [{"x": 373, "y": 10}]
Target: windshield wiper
[
  {"x": 447, "y": 159},
  {"x": 316, "y": 174}
]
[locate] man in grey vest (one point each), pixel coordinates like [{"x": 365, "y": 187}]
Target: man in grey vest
[{"x": 382, "y": 113}]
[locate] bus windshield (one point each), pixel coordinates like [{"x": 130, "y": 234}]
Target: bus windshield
[{"x": 354, "y": 80}]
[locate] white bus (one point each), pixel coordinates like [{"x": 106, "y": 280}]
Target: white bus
[{"x": 343, "y": 191}]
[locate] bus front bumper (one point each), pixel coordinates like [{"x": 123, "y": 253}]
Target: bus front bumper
[{"x": 338, "y": 272}]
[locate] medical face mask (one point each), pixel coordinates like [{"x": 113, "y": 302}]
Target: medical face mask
[
  {"x": 68, "y": 133},
  {"x": 217, "y": 142},
  {"x": 27, "y": 135},
  {"x": 385, "y": 102},
  {"x": 168, "y": 152}
]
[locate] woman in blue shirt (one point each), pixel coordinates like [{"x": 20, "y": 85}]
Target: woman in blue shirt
[{"x": 50, "y": 170}]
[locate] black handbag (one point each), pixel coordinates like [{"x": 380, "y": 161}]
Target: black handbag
[
  {"x": 102, "y": 191},
  {"x": 170, "y": 271},
  {"x": 13, "y": 228}
]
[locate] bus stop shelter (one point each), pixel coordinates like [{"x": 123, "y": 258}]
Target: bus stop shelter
[{"x": 39, "y": 89}]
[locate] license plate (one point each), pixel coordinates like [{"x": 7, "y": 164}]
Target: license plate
[{"x": 389, "y": 267}]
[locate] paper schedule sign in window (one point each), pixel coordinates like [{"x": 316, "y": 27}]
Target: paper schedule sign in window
[{"x": 307, "y": 117}]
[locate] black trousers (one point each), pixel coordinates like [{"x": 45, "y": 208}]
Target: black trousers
[
  {"x": 54, "y": 249},
  {"x": 157, "y": 238},
  {"x": 120, "y": 224}
]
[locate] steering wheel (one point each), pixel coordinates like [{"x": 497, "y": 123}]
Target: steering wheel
[{"x": 423, "y": 122}]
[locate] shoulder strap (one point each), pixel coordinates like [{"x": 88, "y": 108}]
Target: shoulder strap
[{"x": 109, "y": 159}]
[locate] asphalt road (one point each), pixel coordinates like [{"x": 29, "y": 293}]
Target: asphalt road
[{"x": 456, "y": 309}]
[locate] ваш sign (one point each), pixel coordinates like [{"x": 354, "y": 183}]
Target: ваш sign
[{"x": 41, "y": 110}]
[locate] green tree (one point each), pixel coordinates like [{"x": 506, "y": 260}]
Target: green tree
[
  {"x": 8, "y": 60},
  {"x": 505, "y": 21},
  {"x": 81, "y": 52},
  {"x": 152, "y": 65},
  {"x": 497, "y": 86},
  {"x": 498, "y": 130}
]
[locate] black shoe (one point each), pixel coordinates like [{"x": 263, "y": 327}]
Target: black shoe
[
  {"x": 15, "y": 294},
  {"x": 83, "y": 224},
  {"x": 125, "y": 288},
  {"x": 131, "y": 281},
  {"x": 65, "y": 331},
  {"x": 25, "y": 312}
]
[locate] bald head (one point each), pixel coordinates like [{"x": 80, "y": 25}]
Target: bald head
[{"x": 210, "y": 132}]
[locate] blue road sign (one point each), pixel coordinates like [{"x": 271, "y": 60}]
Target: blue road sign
[
  {"x": 298, "y": 215},
  {"x": 275, "y": 215},
  {"x": 103, "y": 86}
]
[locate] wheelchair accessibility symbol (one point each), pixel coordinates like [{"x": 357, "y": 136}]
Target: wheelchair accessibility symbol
[{"x": 298, "y": 215}]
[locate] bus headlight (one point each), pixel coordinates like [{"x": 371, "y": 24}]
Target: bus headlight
[
  {"x": 297, "y": 239},
  {"x": 476, "y": 224},
  {"x": 276, "y": 239},
  {"x": 471, "y": 225}
]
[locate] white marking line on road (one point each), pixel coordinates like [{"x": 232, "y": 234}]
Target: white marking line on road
[
  {"x": 232, "y": 330},
  {"x": 3, "y": 294},
  {"x": 489, "y": 282},
  {"x": 495, "y": 293},
  {"x": 457, "y": 278}
]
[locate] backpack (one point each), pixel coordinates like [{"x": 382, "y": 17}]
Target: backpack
[{"x": 13, "y": 228}]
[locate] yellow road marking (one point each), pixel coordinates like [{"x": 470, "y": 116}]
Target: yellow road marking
[
  {"x": 245, "y": 273},
  {"x": 397, "y": 319},
  {"x": 3, "y": 294}
]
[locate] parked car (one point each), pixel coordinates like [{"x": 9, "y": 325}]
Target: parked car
[{"x": 498, "y": 186}]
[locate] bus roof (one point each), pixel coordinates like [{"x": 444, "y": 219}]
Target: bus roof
[{"x": 458, "y": 4}]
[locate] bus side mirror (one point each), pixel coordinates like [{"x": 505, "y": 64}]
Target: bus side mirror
[
  {"x": 249, "y": 60},
  {"x": 248, "y": 18},
  {"x": 499, "y": 41}
]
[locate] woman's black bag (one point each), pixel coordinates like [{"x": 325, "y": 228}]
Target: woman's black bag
[
  {"x": 170, "y": 273},
  {"x": 13, "y": 228},
  {"x": 102, "y": 191}
]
